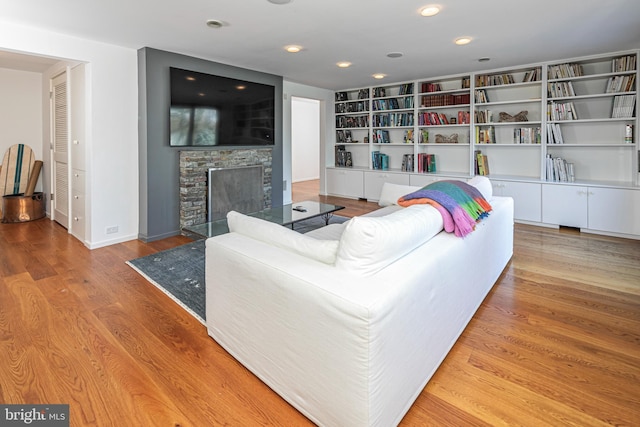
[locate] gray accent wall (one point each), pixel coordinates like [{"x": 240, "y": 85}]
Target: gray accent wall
[{"x": 158, "y": 162}]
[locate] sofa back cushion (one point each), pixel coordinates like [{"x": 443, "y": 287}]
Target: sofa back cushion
[
  {"x": 283, "y": 237},
  {"x": 392, "y": 192},
  {"x": 368, "y": 244}
]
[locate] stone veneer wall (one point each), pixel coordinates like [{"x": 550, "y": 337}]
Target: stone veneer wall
[{"x": 194, "y": 166}]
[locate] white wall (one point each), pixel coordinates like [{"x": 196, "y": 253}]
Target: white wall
[
  {"x": 112, "y": 125},
  {"x": 305, "y": 139},
  {"x": 21, "y": 111},
  {"x": 327, "y": 137}
]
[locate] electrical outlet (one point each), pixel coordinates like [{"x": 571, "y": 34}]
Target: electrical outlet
[{"x": 113, "y": 229}]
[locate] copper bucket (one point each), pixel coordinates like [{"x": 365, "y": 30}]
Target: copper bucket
[{"x": 21, "y": 208}]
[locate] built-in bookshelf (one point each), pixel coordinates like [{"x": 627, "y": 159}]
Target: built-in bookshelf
[{"x": 580, "y": 110}]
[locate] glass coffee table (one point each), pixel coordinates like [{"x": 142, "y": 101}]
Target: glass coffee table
[{"x": 286, "y": 215}]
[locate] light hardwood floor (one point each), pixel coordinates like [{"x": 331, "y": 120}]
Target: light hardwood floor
[{"x": 556, "y": 342}]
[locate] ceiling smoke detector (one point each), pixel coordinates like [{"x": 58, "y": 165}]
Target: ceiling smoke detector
[
  {"x": 395, "y": 54},
  {"x": 280, "y": 1}
]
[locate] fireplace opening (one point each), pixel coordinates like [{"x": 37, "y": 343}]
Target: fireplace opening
[{"x": 239, "y": 189}]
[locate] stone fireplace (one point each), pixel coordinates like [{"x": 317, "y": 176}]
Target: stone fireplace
[{"x": 194, "y": 185}]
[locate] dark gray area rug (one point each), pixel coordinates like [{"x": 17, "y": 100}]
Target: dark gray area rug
[{"x": 179, "y": 271}]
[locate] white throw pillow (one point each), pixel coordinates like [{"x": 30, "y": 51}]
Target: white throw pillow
[
  {"x": 483, "y": 185},
  {"x": 283, "y": 237},
  {"x": 368, "y": 244},
  {"x": 392, "y": 192}
]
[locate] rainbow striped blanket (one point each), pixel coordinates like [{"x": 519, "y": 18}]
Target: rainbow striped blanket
[{"x": 460, "y": 204}]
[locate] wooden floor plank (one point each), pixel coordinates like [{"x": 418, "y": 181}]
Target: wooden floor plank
[{"x": 556, "y": 342}]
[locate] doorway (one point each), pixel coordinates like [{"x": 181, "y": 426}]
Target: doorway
[{"x": 305, "y": 139}]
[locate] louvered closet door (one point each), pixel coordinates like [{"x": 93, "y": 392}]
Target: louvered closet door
[{"x": 60, "y": 134}]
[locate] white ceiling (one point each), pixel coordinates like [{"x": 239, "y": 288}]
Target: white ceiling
[{"x": 510, "y": 32}]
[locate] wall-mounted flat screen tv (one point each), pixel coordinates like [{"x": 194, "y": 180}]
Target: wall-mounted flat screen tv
[{"x": 209, "y": 110}]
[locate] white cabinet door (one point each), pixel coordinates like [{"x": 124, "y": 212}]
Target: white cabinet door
[
  {"x": 373, "y": 182},
  {"x": 614, "y": 210},
  {"x": 527, "y": 198},
  {"x": 564, "y": 205},
  {"x": 345, "y": 183}
]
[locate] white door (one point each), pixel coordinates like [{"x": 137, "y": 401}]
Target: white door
[{"x": 60, "y": 150}]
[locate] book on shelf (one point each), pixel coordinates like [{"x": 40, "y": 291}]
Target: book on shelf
[
  {"x": 342, "y": 157},
  {"x": 408, "y": 136},
  {"x": 407, "y": 163},
  {"x": 528, "y": 135},
  {"x": 485, "y": 135},
  {"x": 481, "y": 162},
  {"x": 406, "y": 89},
  {"x": 445, "y": 100},
  {"x": 560, "y": 89},
  {"x": 561, "y": 111},
  {"x": 621, "y": 84},
  {"x": 483, "y": 116},
  {"x": 381, "y": 136},
  {"x": 559, "y": 170},
  {"x": 532, "y": 75},
  {"x": 494, "y": 80},
  {"x": 554, "y": 134},
  {"x": 481, "y": 96},
  {"x": 623, "y": 106},
  {"x": 424, "y": 136},
  {"x": 379, "y": 92},
  {"x": 427, "y": 163},
  {"x": 563, "y": 71},
  {"x": 431, "y": 87},
  {"x": 623, "y": 63},
  {"x": 379, "y": 160},
  {"x": 464, "y": 117}
]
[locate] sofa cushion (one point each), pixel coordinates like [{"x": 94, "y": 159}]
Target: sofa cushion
[
  {"x": 368, "y": 244},
  {"x": 483, "y": 185},
  {"x": 283, "y": 237},
  {"x": 392, "y": 192}
]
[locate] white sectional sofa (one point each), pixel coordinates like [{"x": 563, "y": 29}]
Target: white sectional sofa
[{"x": 349, "y": 322}]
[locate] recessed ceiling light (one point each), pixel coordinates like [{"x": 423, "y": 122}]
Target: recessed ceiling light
[
  {"x": 462, "y": 40},
  {"x": 214, "y": 23},
  {"x": 430, "y": 10},
  {"x": 379, "y": 76},
  {"x": 292, "y": 48},
  {"x": 395, "y": 54},
  {"x": 280, "y": 1},
  {"x": 344, "y": 64},
  {"x": 241, "y": 87},
  {"x": 190, "y": 78}
]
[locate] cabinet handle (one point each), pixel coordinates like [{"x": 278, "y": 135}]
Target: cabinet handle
[
  {"x": 76, "y": 197},
  {"x": 75, "y": 218},
  {"x": 76, "y": 142}
]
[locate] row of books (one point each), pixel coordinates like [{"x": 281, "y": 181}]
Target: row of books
[
  {"x": 528, "y": 135},
  {"x": 444, "y": 100},
  {"x": 554, "y": 134},
  {"x": 392, "y": 103},
  {"x": 559, "y": 170},
  {"x": 621, "y": 83},
  {"x": 343, "y": 157},
  {"x": 426, "y": 163},
  {"x": 352, "y": 107},
  {"x": 343, "y": 136},
  {"x": 392, "y": 119},
  {"x": 532, "y": 75},
  {"x": 426, "y": 87},
  {"x": 483, "y": 116},
  {"x": 561, "y": 111},
  {"x": 407, "y": 163},
  {"x": 380, "y": 136},
  {"x": 481, "y": 96},
  {"x": 433, "y": 118},
  {"x": 423, "y": 136},
  {"x": 379, "y": 160},
  {"x": 623, "y": 106},
  {"x": 562, "y": 71},
  {"x": 352, "y": 121},
  {"x": 560, "y": 89},
  {"x": 624, "y": 63},
  {"x": 481, "y": 163},
  {"x": 485, "y": 135},
  {"x": 344, "y": 96},
  {"x": 494, "y": 80}
]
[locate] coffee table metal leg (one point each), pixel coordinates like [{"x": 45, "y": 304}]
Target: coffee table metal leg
[{"x": 327, "y": 217}]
